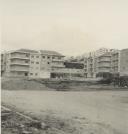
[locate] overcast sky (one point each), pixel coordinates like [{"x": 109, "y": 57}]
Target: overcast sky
[{"x": 72, "y": 27}]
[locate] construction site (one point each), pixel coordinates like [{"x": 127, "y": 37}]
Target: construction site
[
  {"x": 44, "y": 93},
  {"x": 64, "y": 66},
  {"x": 35, "y": 106}
]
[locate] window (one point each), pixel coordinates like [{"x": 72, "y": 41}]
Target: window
[
  {"x": 37, "y": 62},
  {"x": 32, "y": 62},
  {"x": 31, "y": 73},
  {"x": 32, "y": 56},
  {"x": 48, "y": 63},
  {"x": 25, "y": 74},
  {"x": 53, "y": 57},
  {"x": 36, "y": 74},
  {"x": 37, "y": 56},
  {"x": 48, "y": 57},
  {"x": 43, "y": 57}
]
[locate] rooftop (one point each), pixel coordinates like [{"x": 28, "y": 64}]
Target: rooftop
[
  {"x": 27, "y": 50},
  {"x": 105, "y": 54},
  {"x": 54, "y": 53}
]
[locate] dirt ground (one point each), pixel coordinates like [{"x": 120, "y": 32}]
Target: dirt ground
[
  {"x": 54, "y": 85},
  {"x": 89, "y": 112}
]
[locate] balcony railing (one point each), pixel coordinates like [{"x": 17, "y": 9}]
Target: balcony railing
[
  {"x": 19, "y": 57},
  {"x": 104, "y": 70},
  {"x": 104, "y": 65},
  {"x": 104, "y": 60},
  {"x": 57, "y": 65},
  {"x": 66, "y": 70},
  {"x": 19, "y": 63},
  {"x": 59, "y": 60},
  {"x": 20, "y": 69}
]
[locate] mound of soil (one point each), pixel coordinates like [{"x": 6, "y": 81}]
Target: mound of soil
[{"x": 18, "y": 84}]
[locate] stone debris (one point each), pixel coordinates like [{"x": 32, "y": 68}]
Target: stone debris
[
  {"x": 17, "y": 123},
  {"x": 14, "y": 122}
]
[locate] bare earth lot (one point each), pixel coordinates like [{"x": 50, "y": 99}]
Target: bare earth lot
[{"x": 89, "y": 112}]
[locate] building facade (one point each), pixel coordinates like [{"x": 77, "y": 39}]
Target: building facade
[
  {"x": 16, "y": 63},
  {"x": 51, "y": 64},
  {"x": 105, "y": 62},
  {"x": 123, "y": 62},
  {"x": 36, "y": 64}
]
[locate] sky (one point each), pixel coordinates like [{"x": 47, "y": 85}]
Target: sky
[{"x": 71, "y": 27}]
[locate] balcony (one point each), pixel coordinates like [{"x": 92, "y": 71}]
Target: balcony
[
  {"x": 58, "y": 60},
  {"x": 104, "y": 65},
  {"x": 57, "y": 65},
  {"x": 19, "y": 63},
  {"x": 19, "y": 68},
  {"x": 104, "y": 70},
  {"x": 104, "y": 60},
  {"x": 17, "y": 56},
  {"x": 67, "y": 70}
]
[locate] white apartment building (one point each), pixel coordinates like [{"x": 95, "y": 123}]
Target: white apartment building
[
  {"x": 51, "y": 64},
  {"x": 105, "y": 62},
  {"x": 89, "y": 65},
  {"x": 36, "y": 64},
  {"x": 15, "y": 63},
  {"x": 101, "y": 51},
  {"x": 120, "y": 62}
]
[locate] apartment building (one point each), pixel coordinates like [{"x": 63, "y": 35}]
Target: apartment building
[
  {"x": 89, "y": 65},
  {"x": 105, "y": 62},
  {"x": 30, "y": 63},
  {"x": 16, "y": 63},
  {"x": 50, "y": 62},
  {"x": 103, "y": 65},
  {"x": 123, "y": 62},
  {"x": 115, "y": 63},
  {"x": 37, "y": 64},
  {"x": 34, "y": 65},
  {"x": 101, "y": 51},
  {"x": 120, "y": 62},
  {"x": 3, "y": 63}
]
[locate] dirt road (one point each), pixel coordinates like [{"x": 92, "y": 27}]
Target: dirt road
[{"x": 108, "y": 109}]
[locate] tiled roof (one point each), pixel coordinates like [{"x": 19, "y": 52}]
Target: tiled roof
[
  {"x": 54, "y": 53},
  {"x": 27, "y": 50}
]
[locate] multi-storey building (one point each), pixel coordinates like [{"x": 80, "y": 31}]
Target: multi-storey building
[
  {"x": 103, "y": 65},
  {"x": 115, "y": 62},
  {"x": 105, "y": 62},
  {"x": 36, "y": 64},
  {"x": 101, "y": 51},
  {"x": 51, "y": 64},
  {"x": 16, "y": 63},
  {"x": 120, "y": 62},
  {"x": 89, "y": 65},
  {"x": 3, "y": 63},
  {"x": 123, "y": 62}
]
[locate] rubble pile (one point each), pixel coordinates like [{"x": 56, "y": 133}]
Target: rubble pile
[{"x": 13, "y": 123}]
